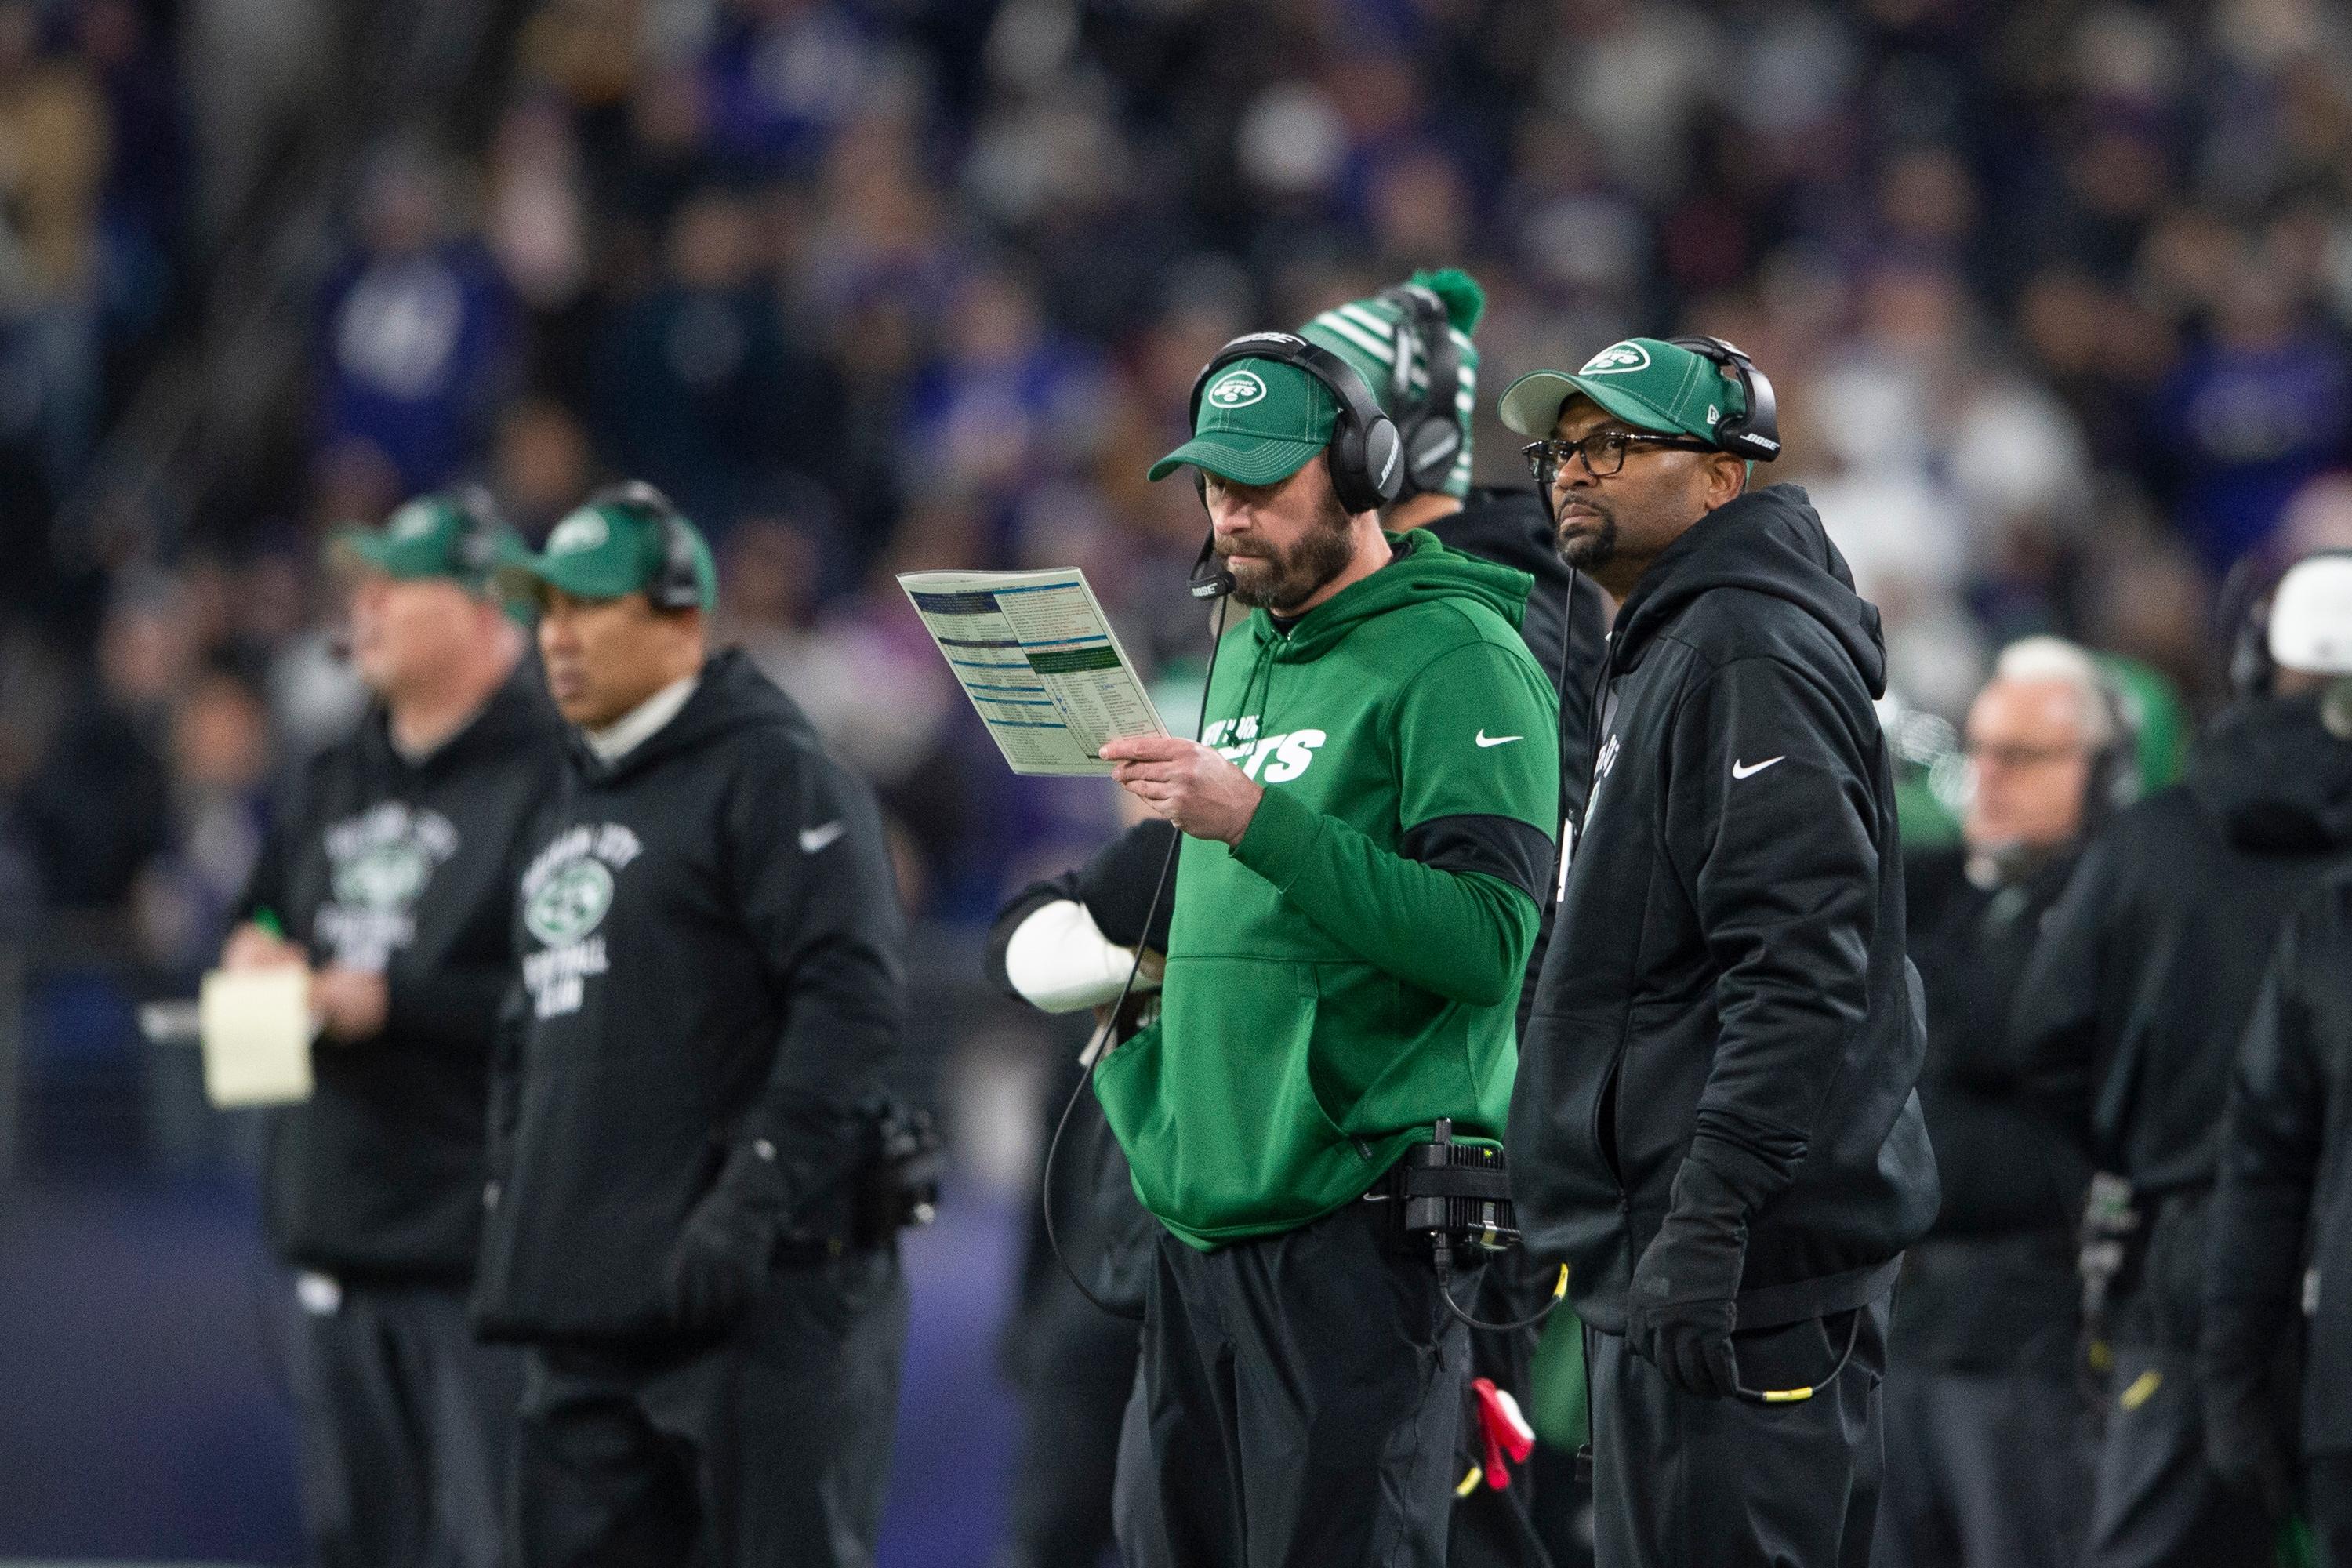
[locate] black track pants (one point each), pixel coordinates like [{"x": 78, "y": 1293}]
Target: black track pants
[
  {"x": 405, "y": 1423},
  {"x": 1686, "y": 1482},
  {"x": 1302, "y": 1396},
  {"x": 770, "y": 1450}
]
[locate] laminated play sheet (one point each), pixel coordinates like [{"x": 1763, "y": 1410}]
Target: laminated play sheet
[{"x": 1040, "y": 662}]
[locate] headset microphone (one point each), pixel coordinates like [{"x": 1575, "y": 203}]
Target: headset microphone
[{"x": 1211, "y": 578}]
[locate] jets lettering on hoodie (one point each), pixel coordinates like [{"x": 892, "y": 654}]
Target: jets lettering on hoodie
[{"x": 1291, "y": 751}]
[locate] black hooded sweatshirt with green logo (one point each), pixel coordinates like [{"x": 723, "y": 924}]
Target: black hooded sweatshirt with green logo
[
  {"x": 376, "y": 862},
  {"x": 1726, "y": 980},
  {"x": 709, "y": 940}
]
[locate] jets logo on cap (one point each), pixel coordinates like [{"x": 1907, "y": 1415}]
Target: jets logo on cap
[
  {"x": 414, "y": 520},
  {"x": 1617, "y": 359},
  {"x": 1238, "y": 390},
  {"x": 573, "y": 534}
]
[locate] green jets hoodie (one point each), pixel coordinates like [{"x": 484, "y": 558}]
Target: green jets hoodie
[{"x": 1347, "y": 974}]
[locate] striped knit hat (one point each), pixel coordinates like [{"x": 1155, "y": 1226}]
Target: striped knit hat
[{"x": 1370, "y": 334}]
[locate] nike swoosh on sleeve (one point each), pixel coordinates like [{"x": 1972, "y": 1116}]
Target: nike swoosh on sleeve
[
  {"x": 1486, "y": 739},
  {"x": 1739, "y": 772},
  {"x": 815, "y": 839}
]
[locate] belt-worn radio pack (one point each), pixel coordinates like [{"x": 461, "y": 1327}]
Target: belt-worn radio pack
[
  {"x": 900, "y": 1188},
  {"x": 1461, "y": 1192}
]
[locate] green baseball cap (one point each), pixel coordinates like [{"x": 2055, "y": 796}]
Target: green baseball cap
[
  {"x": 1648, "y": 383},
  {"x": 432, "y": 536},
  {"x": 609, "y": 548},
  {"x": 1260, "y": 421}
]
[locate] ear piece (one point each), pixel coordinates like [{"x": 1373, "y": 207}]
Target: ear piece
[
  {"x": 677, "y": 586},
  {"x": 1365, "y": 453},
  {"x": 2115, "y": 781},
  {"x": 1754, "y": 433},
  {"x": 1430, "y": 426},
  {"x": 476, "y": 548}
]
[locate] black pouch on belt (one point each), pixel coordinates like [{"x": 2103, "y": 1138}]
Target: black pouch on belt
[{"x": 1461, "y": 1190}]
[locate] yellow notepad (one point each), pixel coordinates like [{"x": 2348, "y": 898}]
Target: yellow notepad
[{"x": 256, "y": 1031}]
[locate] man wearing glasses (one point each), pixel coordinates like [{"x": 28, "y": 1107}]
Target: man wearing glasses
[
  {"x": 1715, "y": 1123},
  {"x": 1983, "y": 1455},
  {"x": 2130, "y": 1017}
]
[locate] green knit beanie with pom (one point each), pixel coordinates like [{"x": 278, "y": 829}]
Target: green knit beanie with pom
[{"x": 1370, "y": 334}]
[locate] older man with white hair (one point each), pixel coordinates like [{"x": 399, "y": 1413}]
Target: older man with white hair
[
  {"x": 1983, "y": 1468},
  {"x": 2130, "y": 1013}
]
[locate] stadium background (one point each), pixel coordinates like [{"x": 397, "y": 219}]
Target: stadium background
[{"x": 2056, "y": 295}]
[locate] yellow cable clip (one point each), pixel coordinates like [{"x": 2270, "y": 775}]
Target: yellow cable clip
[
  {"x": 1470, "y": 1482},
  {"x": 1785, "y": 1396}
]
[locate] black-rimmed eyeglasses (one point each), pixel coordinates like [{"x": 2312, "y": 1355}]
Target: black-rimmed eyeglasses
[{"x": 1603, "y": 452}]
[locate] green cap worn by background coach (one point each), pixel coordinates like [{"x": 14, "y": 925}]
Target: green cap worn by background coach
[
  {"x": 1260, "y": 420},
  {"x": 604, "y": 552},
  {"x": 1648, "y": 383},
  {"x": 1372, "y": 336},
  {"x": 429, "y": 537}
]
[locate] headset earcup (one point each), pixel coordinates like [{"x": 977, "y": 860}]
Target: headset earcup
[
  {"x": 1384, "y": 463},
  {"x": 1431, "y": 446},
  {"x": 681, "y": 585},
  {"x": 1344, "y": 458},
  {"x": 2251, "y": 669}
]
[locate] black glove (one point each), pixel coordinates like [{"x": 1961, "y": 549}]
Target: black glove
[
  {"x": 1679, "y": 1314},
  {"x": 2243, "y": 1443},
  {"x": 721, "y": 1262}
]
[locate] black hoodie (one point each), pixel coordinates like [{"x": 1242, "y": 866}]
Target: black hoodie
[
  {"x": 2280, "y": 1236},
  {"x": 1727, "y": 982},
  {"x": 1567, "y": 619},
  {"x": 1992, "y": 1289},
  {"x": 1565, "y": 627},
  {"x": 380, "y": 863},
  {"x": 2130, "y": 1013},
  {"x": 710, "y": 953}
]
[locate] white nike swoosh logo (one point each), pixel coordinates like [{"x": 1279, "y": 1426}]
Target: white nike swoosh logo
[
  {"x": 815, "y": 839},
  {"x": 1739, "y": 772},
  {"x": 1487, "y": 740}
]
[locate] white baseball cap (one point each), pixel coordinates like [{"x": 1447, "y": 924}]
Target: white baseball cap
[{"x": 2311, "y": 616}]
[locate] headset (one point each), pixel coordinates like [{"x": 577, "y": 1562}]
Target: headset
[
  {"x": 1365, "y": 453},
  {"x": 1754, "y": 432},
  {"x": 1429, "y": 426},
  {"x": 2113, "y": 780},
  {"x": 2244, "y": 606},
  {"x": 679, "y": 585},
  {"x": 474, "y": 550},
  {"x": 1211, "y": 578}
]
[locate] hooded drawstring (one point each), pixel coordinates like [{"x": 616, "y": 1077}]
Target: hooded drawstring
[{"x": 1263, "y": 664}]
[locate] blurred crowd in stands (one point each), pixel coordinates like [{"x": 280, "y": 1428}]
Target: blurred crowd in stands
[{"x": 2058, "y": 298}]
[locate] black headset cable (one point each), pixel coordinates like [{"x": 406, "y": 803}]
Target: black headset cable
[{"x": 1111, "y": 1025}]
